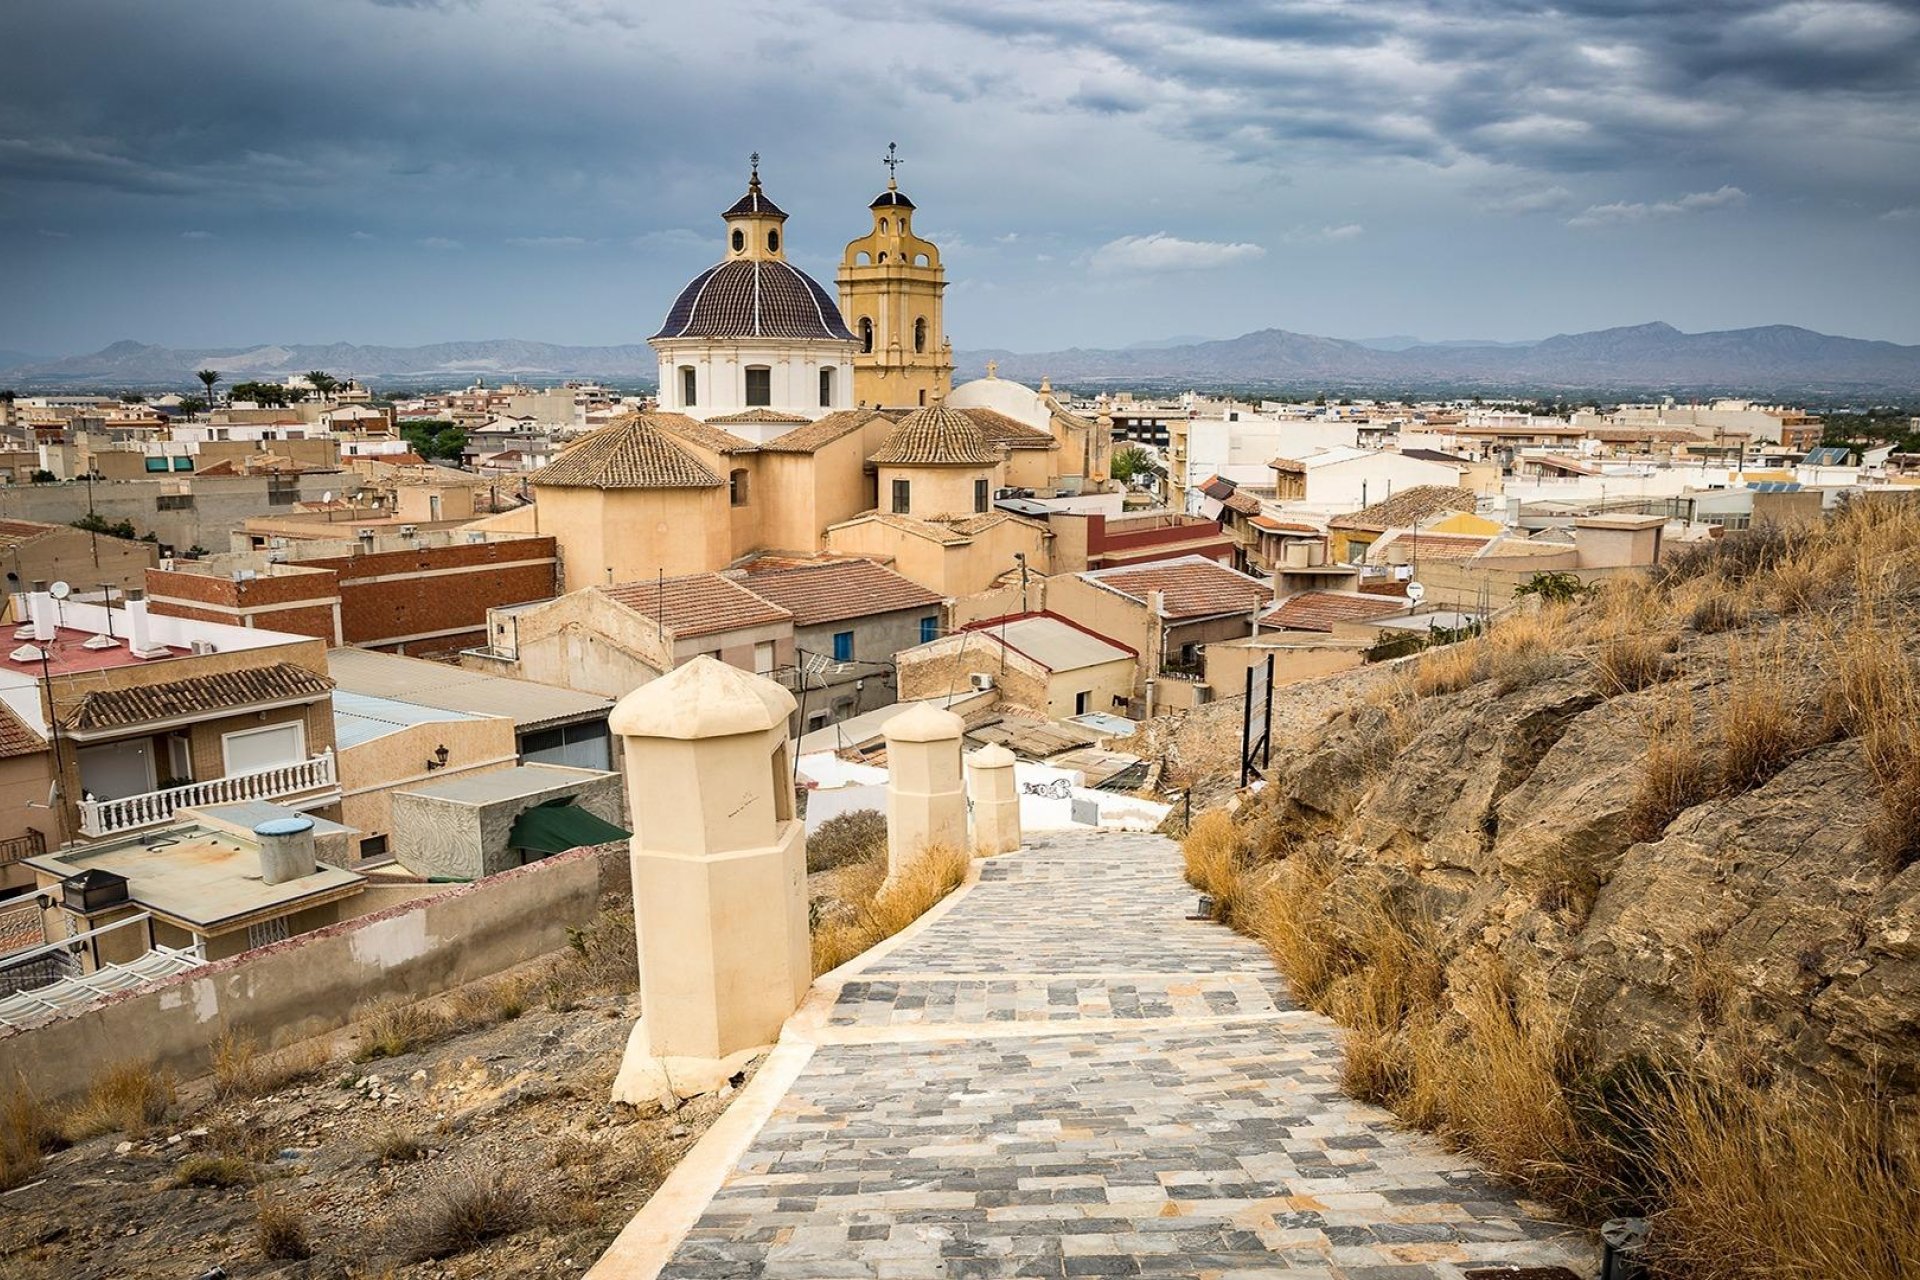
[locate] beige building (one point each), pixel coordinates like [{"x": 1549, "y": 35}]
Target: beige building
[
  {"x": 32, "y": 551},
  {"x": 1038, "y": 660},
  {"x": 385, "y": 745},
  {"x": 891, "y": 293}
]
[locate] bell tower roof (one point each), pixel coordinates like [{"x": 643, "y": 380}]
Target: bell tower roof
[{"x": 755, "y": 204}]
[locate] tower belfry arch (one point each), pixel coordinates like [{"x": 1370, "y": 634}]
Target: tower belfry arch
[{"x": 892, "y": 293}]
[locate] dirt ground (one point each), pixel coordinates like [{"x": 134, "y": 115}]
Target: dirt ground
[{"x": 493, "y": 1145}]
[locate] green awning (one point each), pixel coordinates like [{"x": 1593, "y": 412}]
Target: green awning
[{"x": 560, "y": 825}]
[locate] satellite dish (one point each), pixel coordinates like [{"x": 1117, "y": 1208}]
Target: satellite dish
[
  {"x": 59, "y": 591},
  {"x": 1415, "y": 592},
  {"x": 327, "y": 497}
]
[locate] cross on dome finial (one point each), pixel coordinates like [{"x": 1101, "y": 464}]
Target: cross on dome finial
[
  {"x": 754, "y": 160},
  {"x": 892, "y": 161}
]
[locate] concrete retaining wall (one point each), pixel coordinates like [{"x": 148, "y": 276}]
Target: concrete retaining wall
[{"x": 312, "y": 984}]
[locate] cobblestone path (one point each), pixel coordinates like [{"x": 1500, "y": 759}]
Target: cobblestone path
[{"x": 1064, "y": 1076}]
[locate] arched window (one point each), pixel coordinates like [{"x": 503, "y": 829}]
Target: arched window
[
  {"x": 773, "y": 241},
  {"x": 866, "y": 332},
  {"x": 739, "y": 239},
  {"x": 883, "y": 255},
  {"x": 826, "y": 387},
  {"x": 883, "y": 226},
  {"x": 737, "y": 487},
  {"x": 920, "y": 335},
  {"x": 922, "y": 260},
  {"x": 759, "y": 386},
  {"x": 863, "y": 259},
  {"x": 689, "y": 384}
]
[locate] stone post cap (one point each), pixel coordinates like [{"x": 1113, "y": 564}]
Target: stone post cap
[
  {"x": 923, "y": 722},
  {"x": 991, "y": 756},
  {"x": 704, "y": 698}
]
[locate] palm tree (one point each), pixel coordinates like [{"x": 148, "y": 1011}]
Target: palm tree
[
  {"x": 1131, "y": 462},
  {"x": 323, "y": 382},
  {"x": 209, "y": 377}
]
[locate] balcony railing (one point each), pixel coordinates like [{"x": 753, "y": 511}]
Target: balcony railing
[
  {"x": 30, "y": 845},
  {"x": 150, "y": 808}
]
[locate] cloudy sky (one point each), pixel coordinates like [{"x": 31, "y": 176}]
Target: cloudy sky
[{"x": 1099, "y": 172}]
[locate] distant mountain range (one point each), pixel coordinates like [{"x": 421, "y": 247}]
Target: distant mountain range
[{"x": 1775, "y": 359}]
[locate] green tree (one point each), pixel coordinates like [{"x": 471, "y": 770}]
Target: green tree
[
  {"x": 1557, "y": 587},
  {"x": 191, "y": 405},
  {"x": 94, "y": 522},
  {"x": 434, "y": 439},
  {"x": 1130, "y": 463}
]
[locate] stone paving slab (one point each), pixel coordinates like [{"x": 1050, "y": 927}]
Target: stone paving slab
[{"x": 1175, "y": 1115}]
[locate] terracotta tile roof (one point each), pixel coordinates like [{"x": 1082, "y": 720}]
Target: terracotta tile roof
[
  {"x": 1193, "y": 586},
  {"x": 937, "y": 436},
  {"x": 1431, "y": 546},
  {"x": 634, "y": 452},
  {"x": 820, "y": 432},
  {"x": 195, "y": 696},
  {"x": 698, "y": 604},
  {"x": 927, "y": 529},
  {"x": 1319, "y": 610},
  {"x": 971, "y": 524},
  {"x": 1217, "y": 489},
  {"x": 1407, "y": 508},
  {"x": 998, "y": 428},
  {"x": 839, "y": 589},
  {"x": 708, "y": 436},
  {"x": 1245, "y": 503},
  {"x": 17, "y": 737},
  {"x": 14, "y": 532},
  {"x": 1282, "y": 526},
  {"x": 759, "y": 414}
]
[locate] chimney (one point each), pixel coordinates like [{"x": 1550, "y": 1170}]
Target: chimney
[
  {"x": 40, "y": 611},
  {"x": 286, "y": 849},
  {"x": 139, "y": 631}
]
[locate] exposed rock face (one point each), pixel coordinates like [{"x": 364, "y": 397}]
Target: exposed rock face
[{"x": 1759, "y": 924}]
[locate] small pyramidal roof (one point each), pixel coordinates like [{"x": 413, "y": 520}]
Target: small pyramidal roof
[
  {"x": 755, "y": 202},
  {"x": 633, "y": 452},
  {"x": 937, "y": 436}
]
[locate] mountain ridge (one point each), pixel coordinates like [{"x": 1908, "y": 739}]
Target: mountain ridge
[{"x": 1643, "y": 357}]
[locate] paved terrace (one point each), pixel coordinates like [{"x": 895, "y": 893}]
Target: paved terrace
[{"x": 1056, "y": 1073}]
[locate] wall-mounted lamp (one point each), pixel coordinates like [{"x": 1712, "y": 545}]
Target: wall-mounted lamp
[{"x": 439, "y": 761}]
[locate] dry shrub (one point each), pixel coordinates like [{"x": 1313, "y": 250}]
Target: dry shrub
[
  {"x": 1212, "y": 854},
  {"x": 847, "y": 838},
  {"x": 1394, "y": 985},
  {"x": 1876, "y": 697},
  {"x": 280, "y": 1233},
  {"x": 1281, "y": 906},
  {"x": 1674, "y": 775},
  {"x": 396, "y": 1145},
  {"x": 394, "y": 1028},
  {"x": 1717, "y": 611},
  {"x": 1626, "y": 662},
  {"x": 1452, "y": 668},
  {"x": 458, "y": 1210},
  {"x": 602, "y": 959},
  {"x": 1761, "y": 728},
  {"x": 28, "y": 1129},
  {"x": 1787, "y": 1183},
  {"x": 482, "y": 1004},
  {"x": 219, "y": 1172},
  {"x": 124, "y": 1098},
  {"x": 240, "y": 1070},
  {"x": 885, "y": 908}
]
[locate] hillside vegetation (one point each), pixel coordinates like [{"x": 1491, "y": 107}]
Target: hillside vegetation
[{"x": 1624, "y": 897}]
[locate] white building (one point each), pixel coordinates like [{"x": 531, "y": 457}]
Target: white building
[
  {"x": 755, "y": 332},
  {"x": 1339, "y": 480}
]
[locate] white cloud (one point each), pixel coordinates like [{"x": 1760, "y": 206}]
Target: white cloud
[
  {"x": 196, "y": 235},
  {"x": 673, "y": 238},
  {"x": 362, "y": 235},
  {"x": 1906, "y": 214},
  {"x": 1163, "y": 252},
  {"x": 549, "y": 242},
  {"x": 1621, "y": 212},
  {"x": 440, "y": 242},
  {"x": 1541, "y": 201}
]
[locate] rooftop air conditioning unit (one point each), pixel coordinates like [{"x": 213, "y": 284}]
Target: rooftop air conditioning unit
[
  {"x": 363, "y": 533},
  {"x": 981, "y": 681},
  {"x": 202, "y": 647},
  {"x": 408, "y": 530},
  {"x": 278, "y": 544}
]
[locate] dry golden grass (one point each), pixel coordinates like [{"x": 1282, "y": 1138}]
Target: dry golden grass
[
  {"x": 1875, "y": 696},
  {"x": 1674, "y": 774},
  {"x": 28, "y": 1127},
  {"x": 1627, "y": 661},
  {"x": 1761, "y": 728},
  {"x": 881, "y": 910},
  {"x": 214, "y": 1171},
  {"x": 124, "y": 1098},
  {"x": 280, "y": 1233},
  {"x": 1452, "y": 668},
  {"x": 1786, "y": 1183},
  {"x": 394, "y": 1028},
  {"x": 241, "y": 1070},
  {"x": 1212, "y": 854}
]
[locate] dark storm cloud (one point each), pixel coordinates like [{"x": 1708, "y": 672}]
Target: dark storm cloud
[{"x": 343, "y": 133}]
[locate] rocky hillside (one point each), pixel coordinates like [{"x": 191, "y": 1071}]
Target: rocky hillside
[{"x": 1670, "y": 832}]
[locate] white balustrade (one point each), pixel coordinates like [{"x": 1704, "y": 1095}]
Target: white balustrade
[{"x": 276, "y": 782}]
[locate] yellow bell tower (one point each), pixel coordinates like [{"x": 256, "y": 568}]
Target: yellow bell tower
[{"x": 891, "y": 284}]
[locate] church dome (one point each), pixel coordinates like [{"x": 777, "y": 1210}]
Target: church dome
[
  {"x": 891, "y": 198},
  {"x": 936, "y": 436},
  {"x": 754, "y": 298}
]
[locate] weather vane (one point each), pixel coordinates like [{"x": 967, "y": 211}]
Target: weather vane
[
  {"x": 754, "y": 160},
  {"x": 892, "y": 161}
]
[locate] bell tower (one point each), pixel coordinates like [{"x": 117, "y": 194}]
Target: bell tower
[
  {"x": 891, "y": 290},
  {"x": 756, "y": 225}
]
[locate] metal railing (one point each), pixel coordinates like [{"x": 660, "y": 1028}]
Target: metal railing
[{"x": 150, "y": 808}]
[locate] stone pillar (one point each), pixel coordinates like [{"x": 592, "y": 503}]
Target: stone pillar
[
  {"x": 719, "y": 876},
  {"x": 926, "y": 796},
  {"x": 996, "y": 800}
]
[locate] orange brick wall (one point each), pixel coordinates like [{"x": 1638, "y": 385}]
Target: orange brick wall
[{"x": 419, "y": 596}]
